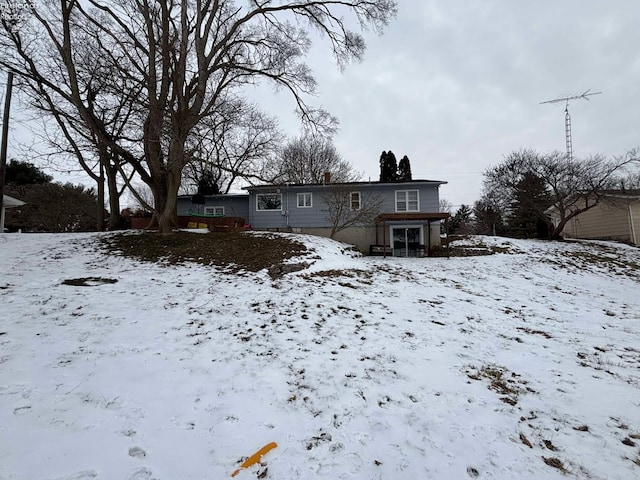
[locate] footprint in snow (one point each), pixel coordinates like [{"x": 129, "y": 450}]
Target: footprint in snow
[
  {"x": 472, "y": 472},
  {"x": 84, "y": 475},
  {"x": 22, "y": 410},
  {"x": 137, "y": 452},
  {"x": 141, "y": 473}
]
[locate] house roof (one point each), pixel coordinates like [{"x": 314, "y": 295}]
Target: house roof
[
  {"x": 9, "y": 202},
  {"x": 631, "y": 194},
  {"x": 395, "y": 217},
  {"x": 354, "y": 184},
  {"x": 221, "y": 195}
]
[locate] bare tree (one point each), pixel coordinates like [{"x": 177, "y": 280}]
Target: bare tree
[
  {"x": 45, "y": 83},
  {"x": 306, "y": 159},
  {"x": 573, "y": 186},
  {"x": 185, "y": 58},
  {"x": 237, "y": 142},
  {"x": 68, "y": 140},
  {"x": 349, "y": 208},
  {"x": 445, "y": 206}
]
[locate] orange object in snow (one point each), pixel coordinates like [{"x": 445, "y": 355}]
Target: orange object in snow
[{"x": 255, "y": 458}]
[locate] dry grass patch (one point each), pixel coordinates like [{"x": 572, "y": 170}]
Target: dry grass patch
[
  {"x": 88, "y": 281},
  {"x": 235, "y": 251},
  {"x": 534, "y": 332},
  {"x": 555, "y": 463},
  {"x": 507, "y": 384}
]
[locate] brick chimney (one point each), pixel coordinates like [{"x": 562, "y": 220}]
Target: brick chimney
[{"x": 327, "y": 178}]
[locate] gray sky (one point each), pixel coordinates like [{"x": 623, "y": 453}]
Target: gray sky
[{"x": 456, "y": 85}]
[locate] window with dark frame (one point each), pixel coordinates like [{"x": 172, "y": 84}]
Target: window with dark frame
[
  {"x": 355, "y": 203},
  {"x": 268, "y": 201}
]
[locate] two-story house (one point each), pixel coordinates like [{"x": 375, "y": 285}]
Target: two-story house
[{"x": 398, "y": 218}]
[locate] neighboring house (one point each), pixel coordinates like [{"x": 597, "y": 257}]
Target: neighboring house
[
  {"x": 615, "y": 217},
  {"x": 8, "y": 202},
  {"x": 398, "y": 218}
]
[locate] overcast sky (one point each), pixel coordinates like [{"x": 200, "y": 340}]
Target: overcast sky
[{"x": 456, "y": 85}]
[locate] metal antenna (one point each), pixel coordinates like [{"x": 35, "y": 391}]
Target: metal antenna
[{"x": 567, "y": 117}]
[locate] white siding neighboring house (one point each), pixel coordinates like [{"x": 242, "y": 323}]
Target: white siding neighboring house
[
  {"x": 616, "y": 217},
  {"x": 8, "y": 202}
]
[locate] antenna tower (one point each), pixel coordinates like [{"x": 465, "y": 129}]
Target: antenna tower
[{"x": 567, "y": 117}]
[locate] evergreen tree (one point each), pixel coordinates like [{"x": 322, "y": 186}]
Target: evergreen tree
[
  {"x": 207, "y": 184},
  {"x": 404, "y": 170},
  {"x": 461, "y": 221},
  {"x": 387, "y": 167},
  {"x": 53, "y": 207},
  {"x": 392, "y": 166},
  {"x": 530, "y": 198},
  {"x": 488, "y": 217},
  {"x": 383, "y": 159},
  {"x": 25, "y": 173}
]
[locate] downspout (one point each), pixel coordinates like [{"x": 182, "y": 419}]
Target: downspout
[
  {"x": 384, "y": 239},
  {"x": 446, "y": 231},
  {"x": 634, "y": 239},
  {"x": 286, "y": 211}
]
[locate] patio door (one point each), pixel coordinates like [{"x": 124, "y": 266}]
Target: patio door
[{"x": 406, "y": 241}]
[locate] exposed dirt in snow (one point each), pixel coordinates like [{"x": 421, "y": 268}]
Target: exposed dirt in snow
[{"x": 232, "y": 251}]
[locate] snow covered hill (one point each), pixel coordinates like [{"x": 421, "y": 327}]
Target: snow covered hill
[{"x": 524, "y": 364}]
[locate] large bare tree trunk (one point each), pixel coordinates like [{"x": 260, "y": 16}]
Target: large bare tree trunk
[
  {"x": 165, "y": 194},
  {"x": 115, "y": 219},
  {"x": 142, "y": 75}
]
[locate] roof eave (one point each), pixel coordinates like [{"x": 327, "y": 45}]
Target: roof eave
[{"x": 320, "y": 185}]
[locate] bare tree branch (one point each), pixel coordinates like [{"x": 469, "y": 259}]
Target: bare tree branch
[
  {"x": 573, "y": 185},
  {"x": 345, "y": 210},
  {"x": 173, "y": 63}
]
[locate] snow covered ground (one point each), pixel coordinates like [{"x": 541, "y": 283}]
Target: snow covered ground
[{"x": 519, "y": 365}]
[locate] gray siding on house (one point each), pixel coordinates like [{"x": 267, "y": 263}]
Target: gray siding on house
[
  {"x": 428, "y": 196},
  {"x": 316, "y": 216},
  {"x": 289, "y": 215},
  {"x": 311, "y": 215},
  {"x": 234, "y": 205}
]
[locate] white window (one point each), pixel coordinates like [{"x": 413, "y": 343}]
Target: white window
[
  {"x": 355, "y": 201},
  {"x": 268, "y": 201},
  {"x": 304, "y": 200},
  {"x": 217, "y": 211},
  {"x": 407, "y": 201}
]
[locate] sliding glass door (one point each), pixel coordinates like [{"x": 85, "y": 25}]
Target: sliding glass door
[{"x": 406, "y": 241}]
